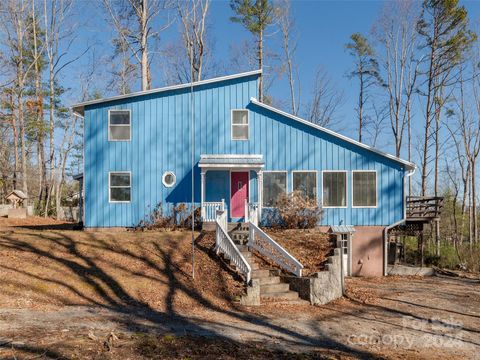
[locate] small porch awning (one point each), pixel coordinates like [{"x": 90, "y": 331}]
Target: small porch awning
[
  {"x": 231, "y": 161},
  {"x": 342, "y": 229}
]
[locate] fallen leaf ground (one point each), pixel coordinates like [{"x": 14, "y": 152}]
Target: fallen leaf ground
[{"x": 68, "y": 294}]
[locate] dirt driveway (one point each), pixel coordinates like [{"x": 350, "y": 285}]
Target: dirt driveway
[{"x": 73, "y": 295}]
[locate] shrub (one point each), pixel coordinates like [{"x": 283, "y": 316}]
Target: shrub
[
  {"x": 295, "y": 211},
  {"x": 178, "y": 217}
]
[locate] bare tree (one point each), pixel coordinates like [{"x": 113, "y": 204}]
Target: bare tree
[
  {"x": 444, "y": 27},
  {"x": 395, "y": 31},
  {"x": 366, "y": 70},
  {"x": 15, "y": 26},
  {"x": 193, "y": 16},
  {"x": 326, "y": 100},
  {"x": 59, "y": 38},
  {"x": 133, "y": 20},
  {"x": 289, "y": 45}
]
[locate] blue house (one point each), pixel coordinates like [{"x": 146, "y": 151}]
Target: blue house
[{"x": 138, "y": 153}]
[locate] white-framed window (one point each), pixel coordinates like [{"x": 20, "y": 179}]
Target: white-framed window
[
  {"x": 239, "y": 124},
  {"x": 364, "y": 188},
  {"x": 169, "y": 179},
  {"x": 305, "y": 182},
  {"x": 120, "y": 186},
  {"x": 274, "y": 186},
  {"x": 334, "y": 184},
  {"x": 119, "y": 125}
]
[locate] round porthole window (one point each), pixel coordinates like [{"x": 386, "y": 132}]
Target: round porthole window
[{"x": 169, "y": 179}]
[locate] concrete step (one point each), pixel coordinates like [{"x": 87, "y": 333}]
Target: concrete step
[
  {"x": 237, "y": 236},
  {"x": 242, "y": 248},
  {"x": 284, "y": 295},
  {"x": 246, "y": 254},
  {"x": 274, "y": 288},
  {"x": 270, "y": 280},
  {"x": 261, "y": 273},
  {"x": 237, "y": 226},
  {"x": 292, "y": 302}
]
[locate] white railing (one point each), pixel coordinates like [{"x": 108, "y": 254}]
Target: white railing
[
  {"x": 269, "y": 248},
  {"x": 252, "y": 213},
  {"x": 209, "y": 210},
  {"x": 225, "y": 245}
]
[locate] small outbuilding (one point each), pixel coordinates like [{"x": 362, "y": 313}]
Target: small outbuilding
[{"x": 17, "y": 199}]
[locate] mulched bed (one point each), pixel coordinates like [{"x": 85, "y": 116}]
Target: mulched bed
[{"x": 310, "y": 246}]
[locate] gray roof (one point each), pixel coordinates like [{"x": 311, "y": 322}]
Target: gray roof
[
  {"x": 231, "y": 160},
  {"x": 18, "y": 193},
  {"x": 342, "y": 229},
  {"x": 408, "y": 165},
  {"x": 80, "y": 107}
]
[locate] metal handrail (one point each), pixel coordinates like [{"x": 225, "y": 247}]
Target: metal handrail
[{"x": 265, "y": 245}]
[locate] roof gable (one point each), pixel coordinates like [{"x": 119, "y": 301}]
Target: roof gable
[
  {"x": 408, "y": 165},
  {"x": 80, "y": 107}
]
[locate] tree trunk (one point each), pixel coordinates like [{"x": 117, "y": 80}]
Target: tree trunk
[
  {"x": 51, "y": 159},
  {"x": 144, "y": 49},
  {"x": 260, "y": 65},
  {"x": 474, "y": 205},
  {"x": 360, "y": 103}
]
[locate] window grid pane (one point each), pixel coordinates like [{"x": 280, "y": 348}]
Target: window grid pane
[
  {"x": 119, "y": 125},
  {"x": 240, "y": 117},
  {"x": 120, "y": 186},
  {"x": 274, "y": 185},
  {"x": 335, "y": 189},
  {"x": 364, "y": 188},
  {"x": 240, "y": 132},
  {"x": 118, "y": 117},
  {"x": 306, "y": 183}
]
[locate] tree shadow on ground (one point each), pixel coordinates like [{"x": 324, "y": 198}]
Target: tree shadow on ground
[{"x": 63, "y": 252}]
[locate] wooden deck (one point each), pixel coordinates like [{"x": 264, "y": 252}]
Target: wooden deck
[{"x": 424, "y": 208}]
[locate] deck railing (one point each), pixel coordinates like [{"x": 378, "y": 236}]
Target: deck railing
[
  {"x": 225, "y": 245},
  {"x": 269, "y": 248},
  {"x": 209, "y": 210},
  {"x": 424, "y": 207}
]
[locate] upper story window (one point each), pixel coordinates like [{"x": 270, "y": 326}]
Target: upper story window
[
  {"x": 274, "y": 186},
  {"x": 119, "y": 125},
  {"x": 335, "y": 188},
  {"x": 239, "y": 124},
  {"x": 120, "y": 186},
  {"x": 364, "y": 188},
  {"x": 306, "y": 183}
]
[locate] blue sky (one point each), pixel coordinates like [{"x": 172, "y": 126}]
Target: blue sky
[{"x": 323, "y": 26}]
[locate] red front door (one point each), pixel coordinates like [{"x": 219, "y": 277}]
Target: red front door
[{"x": 238, "y": 193}]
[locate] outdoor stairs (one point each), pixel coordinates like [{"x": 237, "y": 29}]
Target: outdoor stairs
[{"x": 272, "y": 288}]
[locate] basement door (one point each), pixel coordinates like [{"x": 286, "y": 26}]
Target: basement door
[
  {"x": 343, "y": 244},
  {"x": 238, "y": 193}
]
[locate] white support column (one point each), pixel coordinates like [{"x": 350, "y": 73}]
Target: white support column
[
  {"x": 202, "y": 193},
  {"x": 260, "y": 193}
]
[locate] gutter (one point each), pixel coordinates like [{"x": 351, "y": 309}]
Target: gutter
[{"x": 400, "y": 222}]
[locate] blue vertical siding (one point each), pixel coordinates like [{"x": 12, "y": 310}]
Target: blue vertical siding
[{"x": 161, "y": 141}]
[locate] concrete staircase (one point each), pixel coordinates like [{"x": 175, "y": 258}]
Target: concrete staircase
[{"x": 271, "y": 286}]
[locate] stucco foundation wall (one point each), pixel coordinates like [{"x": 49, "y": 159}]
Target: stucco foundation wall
[{"x": 367, "y": 251}]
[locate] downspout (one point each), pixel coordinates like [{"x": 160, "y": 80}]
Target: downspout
[{"x": 400, "y": 222}]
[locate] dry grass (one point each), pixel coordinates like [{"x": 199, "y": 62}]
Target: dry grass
[
  {"x": 310, "y": 246},
  {"x": 125, "y": 269}
]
